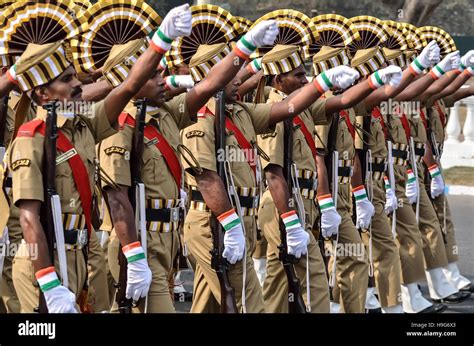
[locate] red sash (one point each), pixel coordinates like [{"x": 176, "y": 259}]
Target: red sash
[
  {"x": 344, "y": 114},
  {"x": 406, "y": 126},
  {"x": 163, "y": 146},
  {"x": 423, "y": 117},
  {"x": 307, "y": 135},
  {"x": 441, "y": 113},
  {"x": 376, "y": 114},
  {"x": 79, "y": 170},
  {"x": 243, "y": 143}
]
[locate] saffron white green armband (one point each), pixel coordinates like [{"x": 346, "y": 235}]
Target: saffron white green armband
[
  {"x": 387, "y": 183},
  {"x": 11, "y": 75},
  {"x": 229, "y": 220},
  {"x": 162, "y": 65},
  {"x": 322, "y": 83},
  {"x": 416, "y": 67},
  {"x": 325, "y": 202},
  {"x": 244, "y": 48},
  {"x": 133, "y": 252},
  {"x": 375, "y": 81},
  {"x": 359, "y": 193},
  {"x": 436, "y": 72},
  {"x": 254, "y": 66},
  {"x": 411, "y": 176},
  {"x": 291, "y": 220},
  {"x": 160, "y": 42},
  {"x": 47, "y": 279},
  {"x": 170, "y": 82},
  {"x": 434, "y": 170}
]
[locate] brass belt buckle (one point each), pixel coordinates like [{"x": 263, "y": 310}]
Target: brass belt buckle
[
  {"x": 174, "y": 214},
  {"x": 82, "y": 236}
]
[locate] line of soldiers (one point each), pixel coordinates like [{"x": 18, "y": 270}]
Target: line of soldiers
[{"x": 197, "y": 140}]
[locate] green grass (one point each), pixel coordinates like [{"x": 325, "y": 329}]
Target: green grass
[{"x": 459, "y": 176}]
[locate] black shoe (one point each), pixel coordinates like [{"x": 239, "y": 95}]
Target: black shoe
[
  {"x": 468, "y": 288},
  {"x": 373, "y": 311},
  {"x": 454, "y": 298},
  {"x": 434, "y": 309},
  {"x": 183, "y": 297}
]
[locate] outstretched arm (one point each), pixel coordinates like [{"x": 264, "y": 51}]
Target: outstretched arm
[{"x": 451, "y": 88}]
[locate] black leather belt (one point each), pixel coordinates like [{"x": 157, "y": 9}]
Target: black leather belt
[
  {"x": 378, "y": 167},
  {"x": 76, "y": 237},
  {"x": 245, "y": 201},
  {"x": 401, "y": 154},
  {"x": 344, "y": 171},
  {"x": 164, "y": 214},
  {"x": 420, "y": 151},
  {"x": 310, "y": 184}
]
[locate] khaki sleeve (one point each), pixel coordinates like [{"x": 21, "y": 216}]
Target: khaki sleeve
[
  {"x": 114, "y": 157},
  {"x": 26, "y": 166},
  {"x": 99, "y": 123},
  {"x": 179, "y": 111},
  {"x": 358, "y": 141},
  {"x": 260, "y": 114},
  {"x": 200, "y": 139},
  {"x": 272, "y": 144},
  {"x": 318, "y": 112}
]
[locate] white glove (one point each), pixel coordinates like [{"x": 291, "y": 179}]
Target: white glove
[
  {"x": 263, "y": 34},
  {"x": 391, "y": 202},
  {"x": 437, "y": 183},
  {"x": 330, "y": 218},
  {"x": 179, "y": 81},
  {"x": 234, "y": 241},
  {"x": 450, "y": 62},
  {"x": 178, "y": 22},
  {"x": 341, "y": 77},
  {"x": 58, "y": 298},
  {"x": 411, "y": 188},
  {"x": 297, "y": 239},
  {"x": 138, "y": 272},
  {"x": 427, "y": 58},
  {"x": 364, "y": 208},
  {"x": 467, "y": 60},
  {"x": 391, "y": 75}
]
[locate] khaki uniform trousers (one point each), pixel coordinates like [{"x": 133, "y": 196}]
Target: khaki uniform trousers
[
  {"x": 162, "y": 247},
  {"x": 433, "y": 246},
  {"x": 452, "y": 249},
  {"x": 7, "y": 288},
  {"x": 98, "y": 296},
  {"x": 207, "y": 292},
  {"x": 385, "y": 258},
  {"x": 352, "y": 266},
  {"x": 409, "y": 239},
  {"x": 275, "y": 286},
  {"x": 25, "y": 281}
]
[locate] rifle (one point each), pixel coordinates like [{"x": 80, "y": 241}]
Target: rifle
[
  {"x": 437, "y": 156},
  {"x": 136, "y": 195},
  {"x": 219, "y": 263},
  {"x": 332, "y": 166},
  {"x": 51, "y": 216},
  {"x": 3, "y": 124},
  {"x": 296, "y": 303}
]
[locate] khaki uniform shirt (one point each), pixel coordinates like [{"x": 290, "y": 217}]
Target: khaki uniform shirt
[
  {"x": 250, "y": 119},
  {"x": 272, "y": 143},
  {"x": 26, "y": 158},
  {"x": 114, "y": 152}
]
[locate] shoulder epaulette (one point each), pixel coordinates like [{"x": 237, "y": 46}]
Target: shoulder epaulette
[{"x": 30, "y": 128}]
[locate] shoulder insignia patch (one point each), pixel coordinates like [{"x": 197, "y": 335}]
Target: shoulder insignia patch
[
  {"x": 115, "y": 150},
  {"x": 21, "y": 163},
  {"x": 195, "y": 133},
  {"x": 267, "y": 135}
]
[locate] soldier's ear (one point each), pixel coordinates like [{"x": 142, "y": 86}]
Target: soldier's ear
[{"x": 41, "y": 94}]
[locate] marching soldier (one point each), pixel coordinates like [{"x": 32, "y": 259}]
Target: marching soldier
[{"x": 75, "y": 171}]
